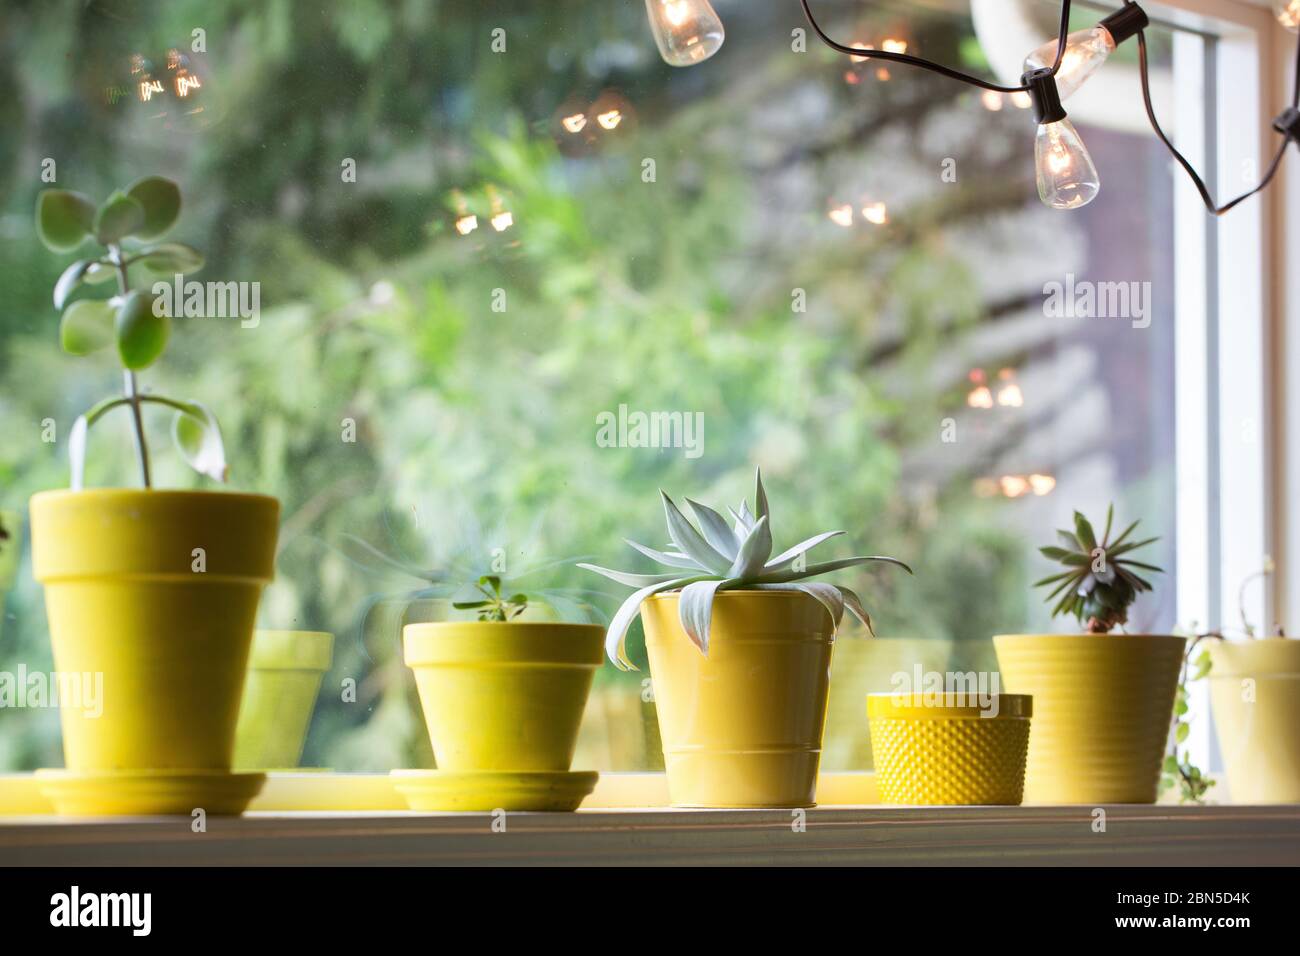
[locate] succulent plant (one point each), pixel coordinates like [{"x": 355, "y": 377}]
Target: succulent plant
[
  {"x": 493, "y": 605},
  {"x": 126, "y": 227},
  {"x": 1099, "y": 583},
  {"x": 718, "y": 557}
]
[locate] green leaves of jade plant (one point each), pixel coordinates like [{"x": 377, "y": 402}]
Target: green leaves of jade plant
[
  {"x": 721, "y": 557},
  {"x": 126, "y": 226}
]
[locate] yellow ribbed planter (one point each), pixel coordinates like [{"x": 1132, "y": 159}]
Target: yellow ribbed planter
[
  {"x": 1103, "y": 704},
  {"x": 503, "y": 696},
  {"x": 948, "y": 751},
  {"x": 155, "y": 591},
  {"x": 1255, "y": 695},
  {"x": 743, "y": 726}
]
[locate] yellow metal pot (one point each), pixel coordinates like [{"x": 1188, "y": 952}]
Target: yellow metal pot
[
  {"x": 742, "y": 727},
  {"x": 155, "y": 591},
  {"x": 503, "y": 696},
  {"x": 1103, "y": 705},
  {"x": 1255, "y": 695},
  {"x": 947, "y": 750},
  {"x": 284, "y": 675}
]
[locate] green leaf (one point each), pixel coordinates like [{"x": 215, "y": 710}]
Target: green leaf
[
  {"x": 469, "y": 605},
  {"x": 1083, "y": 531},
  {"x": 1180, "y": 707},
  {"x": 100, "y": 271},
  {"x": 63, "y": 219},
  {"x": 170, "y": 258},
  {"x": 1181, "y": 732},
  {"x": 1171, "y": 764},
  {"x": 86, "y": 326},
  {"x": 117, "y": 218},
  {"x": 160, "y": 201},
  {"x": 141, "y": 335},
  {"x": 71, "y": 278},
  {"x": 716, "y": 531},
  {"x": 198, "y": 438},
  {"x": 1110, "y": 520},
  {"x": 1073, "y": 558}
]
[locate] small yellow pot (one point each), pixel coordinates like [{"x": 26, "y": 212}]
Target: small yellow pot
[
  {"x": 1103, "y": 705},
  {"x": 949, "y": 751},
  {"x": 1255, "y": 695},
  {"x": 284, "y": 675},
  {"x": 156, "y": 591},
  {"x": 743, "y": 726},
  {"x": 503, "y": 696}
]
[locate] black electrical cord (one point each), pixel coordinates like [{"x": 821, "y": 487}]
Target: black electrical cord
[
  {"x": 936, "y": 67},
  {"x": 1210, "y": 205}
]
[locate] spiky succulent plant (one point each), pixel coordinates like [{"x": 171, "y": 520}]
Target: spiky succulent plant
[
  {"x": 718, "y": 557},
  {"x": 1099, "y": 583}
]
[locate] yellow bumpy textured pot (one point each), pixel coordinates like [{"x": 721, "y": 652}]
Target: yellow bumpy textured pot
[
  {"x": 505, "y": 696},
  {"x": 1255, "y": 694},
  {"x": 155, "y": 591},
  {"x": 743, "y": 726},
  {"x": 946, "y": 750},
  {"x": 1103, "y": 704}
]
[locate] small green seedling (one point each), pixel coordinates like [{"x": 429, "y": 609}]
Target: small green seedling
[
  {"x": 494, "y": 607},
  {"x": 126, "y": 226}
]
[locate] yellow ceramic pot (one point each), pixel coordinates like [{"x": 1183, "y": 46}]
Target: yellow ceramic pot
[
  {"x": 284, "y": 675},
  {"x": 1255, "y": 694},
  {"x": 503, "y": 696},
  {"x": 155, "y": 592},
  {"x": 1103, "y": 705},
  {"x": 947, "y": 750},
  {"x": 743, "y": 726}
]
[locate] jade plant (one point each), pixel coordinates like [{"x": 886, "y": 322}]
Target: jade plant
[
  {"x": 493, "y": 605},
  {"x": 1100, "y": 581},
  {"x": 718, "y": 557},
  {"x": 126, "y": 227}
]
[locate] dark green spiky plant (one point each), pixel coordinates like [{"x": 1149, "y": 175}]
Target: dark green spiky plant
[
  {"x": 126, "y": 226},
  {"x": 494, "y": 606},
  {"x": 1100, "y": 581}
]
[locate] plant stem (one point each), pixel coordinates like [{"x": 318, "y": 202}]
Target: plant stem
[{"x": 129, "y": 385}]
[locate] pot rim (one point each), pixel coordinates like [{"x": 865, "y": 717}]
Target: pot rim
[
  {"x": 62, "y": 494},
  {"x": 750, "y": 592},
  {"x": 1093, "y": 637}
]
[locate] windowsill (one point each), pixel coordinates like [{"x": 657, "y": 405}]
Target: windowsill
[{"x": 860, "y": 835}]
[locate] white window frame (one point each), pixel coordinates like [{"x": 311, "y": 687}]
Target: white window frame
[{"x": 1236, "y": 413}]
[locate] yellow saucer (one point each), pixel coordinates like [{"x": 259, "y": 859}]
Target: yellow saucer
[
  {"x": 486, "y": 790},
  {"x": 148, "y": 792}
]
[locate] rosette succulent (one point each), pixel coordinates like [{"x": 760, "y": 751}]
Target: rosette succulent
[
  {"x": 1099, "y": 582},
  {"x": 722, "y": 557}
]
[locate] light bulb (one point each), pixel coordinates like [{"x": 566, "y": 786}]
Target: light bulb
[
  {"x": 686, "y": 31},
  {"x": 1288, "y": 13},
  {"x": 1067, "y": 179},
  {"x": 1085, "y": 52}
]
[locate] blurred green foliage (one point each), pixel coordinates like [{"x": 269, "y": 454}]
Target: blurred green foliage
[{"x": 378, "y": 319}]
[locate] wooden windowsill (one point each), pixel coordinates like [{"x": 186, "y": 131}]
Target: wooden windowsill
[{"x": 863, "y": 835}]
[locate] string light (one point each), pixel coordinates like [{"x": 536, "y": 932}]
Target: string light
[
  {"x": 689, "y": 31},
  {"x": 1288, "y": 13},
  {"x": 686, "y": 31},
  {"x": 1087, "y": 50},
  {"x": 575, "y": 123},
  {"x": 875, "y": 213},
  {"x": 841, "y": 215}
]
